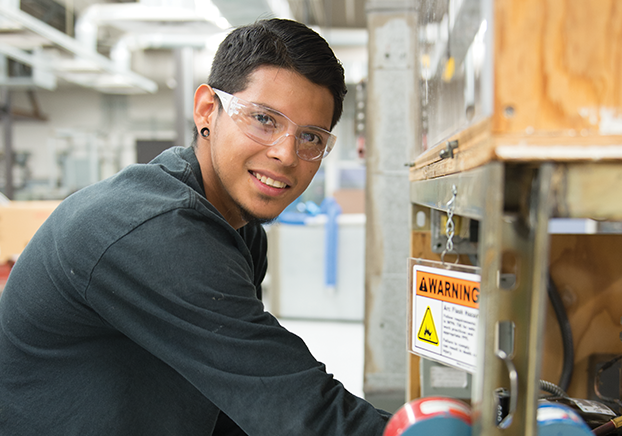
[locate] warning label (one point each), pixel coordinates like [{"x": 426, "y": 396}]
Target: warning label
[{"x": 444, "y": 315}]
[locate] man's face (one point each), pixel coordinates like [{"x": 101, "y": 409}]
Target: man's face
[{"x": 246, "y": 180}]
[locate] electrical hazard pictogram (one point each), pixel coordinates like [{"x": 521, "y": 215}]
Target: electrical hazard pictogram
[{"x": 427, "y": 331}]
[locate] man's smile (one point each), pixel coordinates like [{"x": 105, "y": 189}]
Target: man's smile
[{"x": 268, "y": 181}]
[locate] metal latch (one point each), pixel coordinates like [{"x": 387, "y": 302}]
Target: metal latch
[{"x": 448, "y": 151}]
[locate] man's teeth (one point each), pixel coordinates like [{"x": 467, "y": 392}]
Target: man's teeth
[{"x": 268, "y": 181}]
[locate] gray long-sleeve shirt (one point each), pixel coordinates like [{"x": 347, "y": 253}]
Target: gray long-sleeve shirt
[{"x": 134, "y": 311}]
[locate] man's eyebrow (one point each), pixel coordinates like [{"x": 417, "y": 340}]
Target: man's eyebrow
[
  {"x": 267, "y": 106},
  {"x": 278, "y": 111}
]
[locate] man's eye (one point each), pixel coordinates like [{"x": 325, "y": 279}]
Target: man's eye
[
  {"x": 264, "y": 119},
  {"x": 311, "y": 138}
]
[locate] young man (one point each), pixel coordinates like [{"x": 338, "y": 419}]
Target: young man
[{"x": 135, "y": 310}]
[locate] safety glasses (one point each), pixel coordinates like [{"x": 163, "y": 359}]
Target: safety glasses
[{"x": 269, "y": 127}]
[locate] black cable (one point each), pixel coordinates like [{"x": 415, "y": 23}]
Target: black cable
[
  {"x": 552, "y": 388},
  {"x": 566, "y": 330}
]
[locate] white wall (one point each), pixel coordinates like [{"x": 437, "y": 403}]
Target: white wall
[{"x": 81, "y": 118}]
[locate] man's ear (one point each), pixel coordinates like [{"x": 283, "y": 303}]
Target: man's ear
[{"x": 204, "y": 106}]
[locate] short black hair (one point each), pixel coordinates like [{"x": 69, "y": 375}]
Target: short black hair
[{"x": 280, "y": 43}]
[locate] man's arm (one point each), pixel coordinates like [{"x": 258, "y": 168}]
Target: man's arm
[{"x": 189, "y": 298}]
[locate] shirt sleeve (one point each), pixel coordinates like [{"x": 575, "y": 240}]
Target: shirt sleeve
[
  {"x": 255, "y": 238},
  {"x": 183, "y": 288}
]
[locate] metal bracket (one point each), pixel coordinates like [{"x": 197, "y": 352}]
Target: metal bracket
[
  {"x": 463, "y": 242},
  {"x": 448, "y": 151}
]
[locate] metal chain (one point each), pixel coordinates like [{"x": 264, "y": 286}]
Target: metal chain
[{"x": 450, "y": 225}]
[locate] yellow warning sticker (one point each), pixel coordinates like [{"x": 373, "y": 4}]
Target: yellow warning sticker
[{"x": 427, "y": 331}]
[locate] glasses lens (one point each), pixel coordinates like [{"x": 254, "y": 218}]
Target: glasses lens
[
  {"x": 261, "y": 124},
  {"x": 268, "y": 127},
  {"x": 312, "y": 143}
]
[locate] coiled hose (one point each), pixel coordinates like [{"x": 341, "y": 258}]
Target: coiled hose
[{"x": 552, "y": 388}]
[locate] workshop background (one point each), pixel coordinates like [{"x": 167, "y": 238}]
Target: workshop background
[
  {"x": 487, "y": 128},
  {"x": 89, "y": 87}
]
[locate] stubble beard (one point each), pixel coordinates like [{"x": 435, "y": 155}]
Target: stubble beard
[{"x": 249, "y": 218}]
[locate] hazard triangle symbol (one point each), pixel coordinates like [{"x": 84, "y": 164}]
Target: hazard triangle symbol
[{"x": 427, "y": 331}]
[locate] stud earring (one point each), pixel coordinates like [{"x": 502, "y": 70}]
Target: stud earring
[{"x": 205, "y": 132}]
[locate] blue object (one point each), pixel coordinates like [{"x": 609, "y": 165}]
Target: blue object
[
  {"x": 560, "y": 420},
  {"x": 440, "y": 426},
  {"x": 298, "y": 212},
  {"x": 332, "y": 210},
  {"x": 295, "y": 218}
]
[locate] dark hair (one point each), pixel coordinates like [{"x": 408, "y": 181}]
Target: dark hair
[{"x": 280, "y": 43}]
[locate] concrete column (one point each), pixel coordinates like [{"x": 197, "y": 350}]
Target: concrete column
[{"x": 392, "y": 132}]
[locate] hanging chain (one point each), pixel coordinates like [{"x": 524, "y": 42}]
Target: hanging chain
[{"x": 450, "y": 226}]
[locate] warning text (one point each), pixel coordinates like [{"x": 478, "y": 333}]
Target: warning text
[{"x": 449, "y": 289}]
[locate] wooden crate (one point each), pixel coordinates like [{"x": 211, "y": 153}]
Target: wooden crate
[{"x": 556, "y": 91}]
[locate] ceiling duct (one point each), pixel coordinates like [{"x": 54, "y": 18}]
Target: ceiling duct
[
  {"x": 80, "y": 60},
  {"x": 35, "y": 43},
  {"x": 107, "y": 34},
  {"x": 150, "y": 25},
  {"x": 155, "y": 18}
]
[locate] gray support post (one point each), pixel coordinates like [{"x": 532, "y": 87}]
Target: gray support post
[{"x": 392, "y": 132}]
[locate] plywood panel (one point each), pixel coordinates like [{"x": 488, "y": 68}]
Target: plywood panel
[
  {"x": 587, "y": 271},
  {"x": 557, "y": 89},
  {"x": 557, "y": 66}
]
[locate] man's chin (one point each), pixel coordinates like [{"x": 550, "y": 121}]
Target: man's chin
[{"x": 249, "y": 217}]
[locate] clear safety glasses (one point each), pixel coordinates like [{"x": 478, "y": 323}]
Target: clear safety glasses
[{"x": 269, "y": 127}]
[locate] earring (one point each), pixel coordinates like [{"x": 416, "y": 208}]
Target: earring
[{"x": 205, "y": 132}]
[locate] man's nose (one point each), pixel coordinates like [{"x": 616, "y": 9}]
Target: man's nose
[{"x": 285, "y": 150}]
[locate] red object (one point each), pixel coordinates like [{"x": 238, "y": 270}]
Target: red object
[
  {"x": 5, "y": 269},
  {"x": 426, "y": 408}
]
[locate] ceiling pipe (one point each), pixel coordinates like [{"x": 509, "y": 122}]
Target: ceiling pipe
[
  {"x": 115, "y": 15},
  {"x": 71, "y": 45},
  {"x": 145, "y": 12}
]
